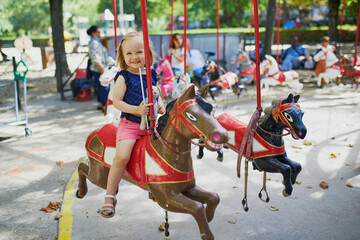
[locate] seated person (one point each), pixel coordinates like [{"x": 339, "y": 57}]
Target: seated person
[
  {"x": 196, "y": 62},
  {"x": 291, "y": 58},
  {"x": 261, "y": 53}
]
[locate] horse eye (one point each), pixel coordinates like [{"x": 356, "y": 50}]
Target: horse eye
[
  {"x": 191, "y": 117},
  {"x": 288, "y": 117}
]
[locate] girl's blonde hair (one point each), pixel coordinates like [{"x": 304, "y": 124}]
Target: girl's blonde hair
[{"x": 120, "y": 54}]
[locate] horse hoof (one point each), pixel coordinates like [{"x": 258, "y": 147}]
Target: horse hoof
[
  {"x": 77, "y": 194},
  {"x": 199, "y": 157},
  {"x": 285, "y": 194},
  {"x": 220, "y": 159}
]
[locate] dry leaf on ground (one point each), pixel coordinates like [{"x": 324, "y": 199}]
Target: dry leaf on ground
[
  {"x": 232, "y": 221},
  {"x": 324, "y": 185},
  {"x": 297, "y": 182},
  {"x": 272, "y": 208},
  {"x": 296, "y": 147},
  {"x": 58, "y": 216},
  {"x": 333, "y": 155},
  {"x": 53, "y": 206},
  {"x": 308, "y": 143},
  {"x": 349, "y": 185}
]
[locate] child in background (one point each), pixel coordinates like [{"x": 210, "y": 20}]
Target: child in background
[
  {"x": 127, "y": 98},
  {"x": 176, "y": 52}
]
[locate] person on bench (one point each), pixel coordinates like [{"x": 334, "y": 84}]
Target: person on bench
[{"x": 294, "y": 56}]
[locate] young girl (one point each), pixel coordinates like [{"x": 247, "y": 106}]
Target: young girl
[
  {"x": 127, "y": 98},
  {"x": 176, "y": 52}
]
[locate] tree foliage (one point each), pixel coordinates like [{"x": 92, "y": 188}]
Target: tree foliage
[{"x": 29, "y": 15}]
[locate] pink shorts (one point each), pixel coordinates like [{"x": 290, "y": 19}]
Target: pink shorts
[{"x": 129, "y": 130}]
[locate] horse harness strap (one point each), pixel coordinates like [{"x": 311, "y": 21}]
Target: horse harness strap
[
  {"x": 248, "y": 139},
  {"x": 272, "y": 134},
  {"x": 163, "y": 141}
]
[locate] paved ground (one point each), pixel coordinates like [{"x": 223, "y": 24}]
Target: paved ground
[{"x": 30, "y": 176}]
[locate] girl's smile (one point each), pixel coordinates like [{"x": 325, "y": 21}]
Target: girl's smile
[{"x": 133, "y": 50}]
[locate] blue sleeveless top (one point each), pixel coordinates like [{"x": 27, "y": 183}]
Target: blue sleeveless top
[{"x": 133, "y": 95}]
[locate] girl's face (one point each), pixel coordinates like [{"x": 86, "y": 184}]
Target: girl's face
[
  {"x": 178, "y": 40},
  {"x": 133, "y": 50}
]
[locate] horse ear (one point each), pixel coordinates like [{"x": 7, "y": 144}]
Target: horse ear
[
  {"x": 296, "y": 98},
  {"x": 204, "y": 90},
  {"x": 188, "y": 94},
  {"x": 289, "y": 99}
]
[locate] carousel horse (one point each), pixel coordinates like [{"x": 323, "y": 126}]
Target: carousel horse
[
  {"x": 107, "y": 78},
  {"x": 161, "y": 164},
  {"x": 332, "y": 66},
  {"x": 267, "y": 149},
  {"x": 348, "y": 72},
  {"x": 274, "y": 77},
  {"x": 246, "y": 67},
  {"x": 220, "y": 81},
  {"x": 164, "y": 70}
]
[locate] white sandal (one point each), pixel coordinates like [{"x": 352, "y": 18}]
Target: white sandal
[{"x": 108, "y": 207}]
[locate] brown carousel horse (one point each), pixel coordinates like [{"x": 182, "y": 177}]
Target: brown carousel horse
[{"x": 161, "y": 164}]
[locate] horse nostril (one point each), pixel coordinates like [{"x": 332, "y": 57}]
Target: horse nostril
[
  {"x": 300, "y": 133},
  {"x": 216, "y": 137}
]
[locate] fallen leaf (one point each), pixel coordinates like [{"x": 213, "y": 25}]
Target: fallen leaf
[
  {"x": 268, "y": 179},
  {"x": 308, "y": 186},
  {"x": 58, "y": 216},
  {"x": 333, "y": 155},
  {"x": 60, "y": 162},
  {"x": 345, "y": 139},
  {"x": 347, "y": 164},
  {"x": 51, "y": 207},
  {"x": 272, "y": 208},
  {"x": 162, "y": 227},
  {"x": 350, "y": 145},
  {"x": 232, "y": 221},
  {"x": 296, "y": 147},
  {"x": 237, "y": 212},
  {"x": 333, "y": 138},
  {"x": 297, "y": 182},
  {"x": 235, "y": 186},
  {"x": 306, "y": 142},
  {"x": 324, "y": 185},
  {"x": 349, "y": 185}
]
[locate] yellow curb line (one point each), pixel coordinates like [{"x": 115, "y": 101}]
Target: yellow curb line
[{"x": 66, "y": 221}]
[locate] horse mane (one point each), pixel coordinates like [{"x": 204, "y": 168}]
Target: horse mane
[
  {"x": 164, "y": 118},
  {"x": 267, "y": 110}
]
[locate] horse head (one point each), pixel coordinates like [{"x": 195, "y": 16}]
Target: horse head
[
  {"x": 242, "y": 57},
  {"x": 209, "y": 67},
  {"x": 270, "y": 64},
  {"x": 109, "y": 72},
  {"x": 288, "y": 114},
  {"x": 190, "y": 116}
]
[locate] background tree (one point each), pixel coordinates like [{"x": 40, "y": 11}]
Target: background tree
[
  {"x": 62, "y": 68},
  {"x": 270, "y": 21},
  {"x": 333, "y": 20},
  {"x": 29, "y": 16}
]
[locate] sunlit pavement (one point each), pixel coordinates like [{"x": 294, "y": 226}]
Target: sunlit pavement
[{"x": 30, "y": 177}]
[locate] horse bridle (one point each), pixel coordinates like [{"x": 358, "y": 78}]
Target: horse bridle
[{"x": 176, "y": 118}]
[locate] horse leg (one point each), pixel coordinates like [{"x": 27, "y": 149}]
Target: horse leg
[
  {"x": 201, "y": 153},
  {"x": 274, "y": 165},
  {"x": 83, "y": 171},
  {"x": 295, "y": 166},
  {"x": 210, "y": 199},
  {"x": 220, "y": 156},
  {"x": 183, "y": 204}
]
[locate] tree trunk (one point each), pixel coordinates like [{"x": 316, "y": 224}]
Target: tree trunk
[
  {"x": 270, "y": 21},
  {"x": 62, "y": 68},
  {"x": 285, "y": 13},
  {"x": 333, "y": 19}
]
